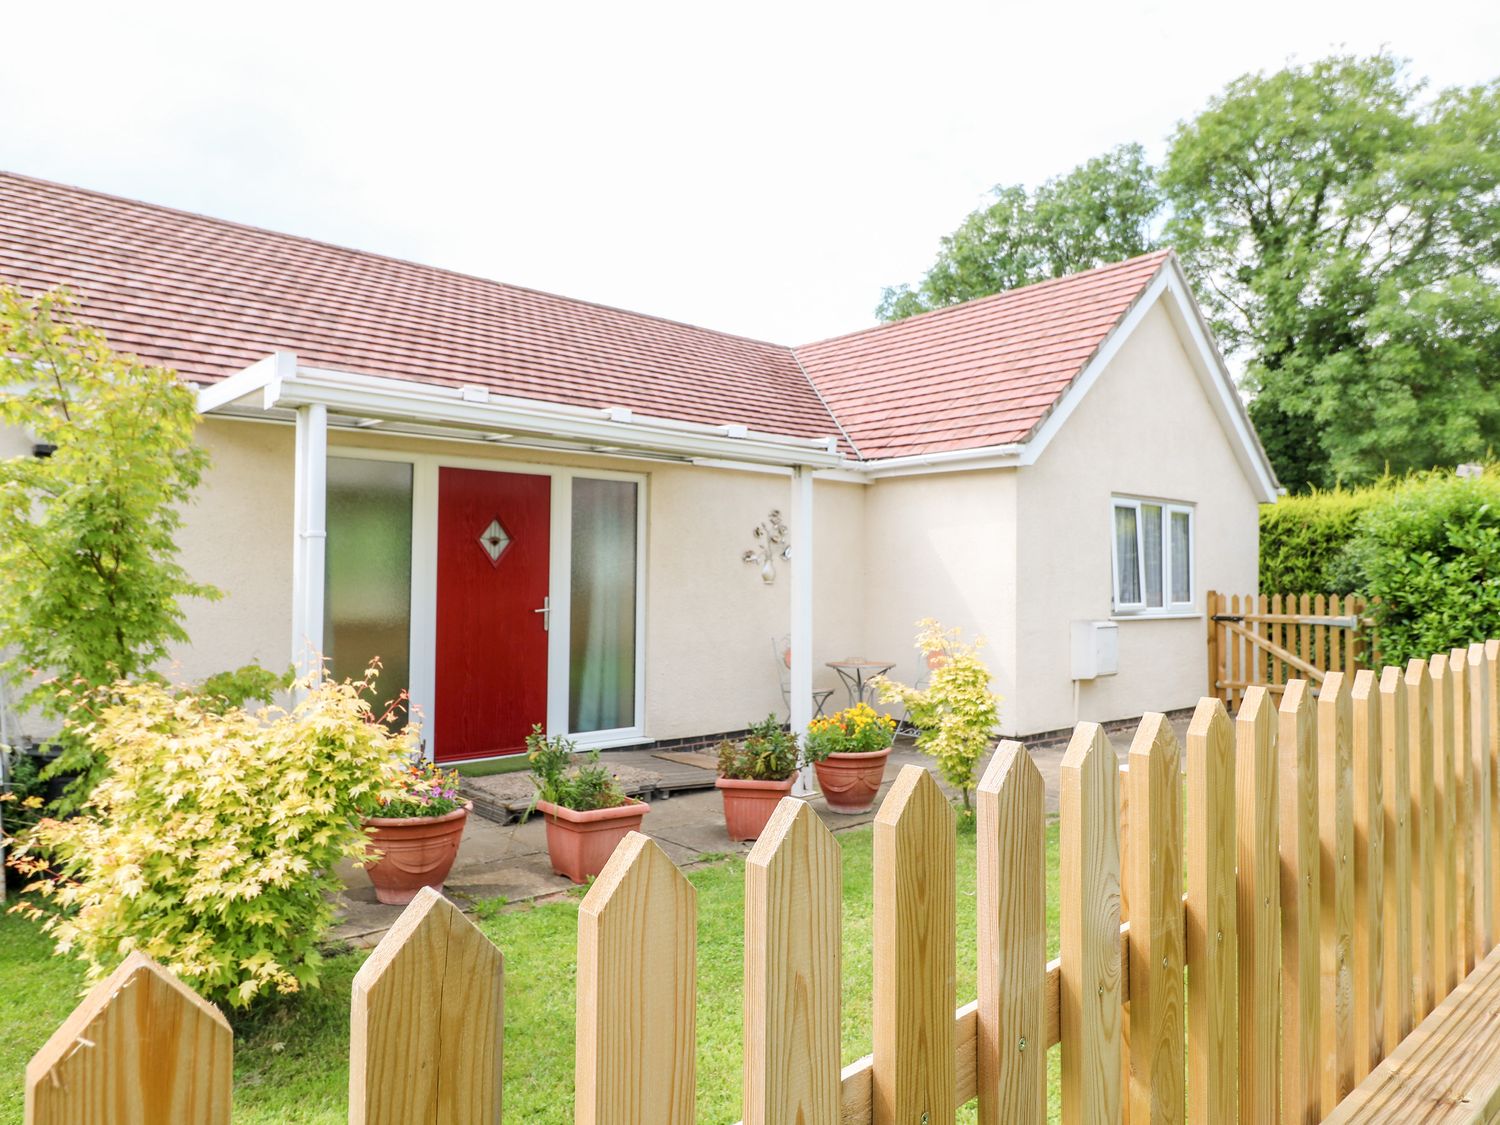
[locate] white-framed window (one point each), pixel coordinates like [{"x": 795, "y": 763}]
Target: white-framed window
[{"x": 1152, "y": 552}]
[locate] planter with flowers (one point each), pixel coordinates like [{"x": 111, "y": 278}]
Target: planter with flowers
[
  {"x": 754, "y": 775},
  {"x": 849, "y": 751},
  {"x": 416, "y": 833},
  {"x": 586, "y": 811}
]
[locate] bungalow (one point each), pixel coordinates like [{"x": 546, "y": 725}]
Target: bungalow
[{"x": 630, "y": 530}]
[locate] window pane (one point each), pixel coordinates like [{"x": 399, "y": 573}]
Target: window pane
[
  {"x": 367, "y": 581},
  {"x": 1182, "y": 557},
  {"x": 601, "y": 687},
  {"x": 1151, "y": 545},
  {"x": 1127, "y": 557}
]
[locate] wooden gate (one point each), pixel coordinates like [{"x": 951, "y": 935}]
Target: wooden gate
[{"x": 1268, "y": 639}]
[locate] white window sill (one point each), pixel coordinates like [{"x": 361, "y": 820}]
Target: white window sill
[{"x": 1189, "y": 615}]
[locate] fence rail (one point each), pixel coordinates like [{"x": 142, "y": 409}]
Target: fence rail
[
  {"x": 1339, "y": 853},
  {"x": 1267, "y": 640}
]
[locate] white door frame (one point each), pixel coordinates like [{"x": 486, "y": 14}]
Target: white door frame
[{"x": 424, "y": 539}]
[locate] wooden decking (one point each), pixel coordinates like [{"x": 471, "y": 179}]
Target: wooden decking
[{"x": 1447, "y": 1071}]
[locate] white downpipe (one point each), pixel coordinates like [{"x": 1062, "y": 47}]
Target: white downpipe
[
  {"x": 310, "y": 509},
  {"x": 801, "y": 529}
]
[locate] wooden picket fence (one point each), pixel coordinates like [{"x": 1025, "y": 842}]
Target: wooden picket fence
[
  {"x": 1340, "y": 860},
  {"x": 1271, "y": 639}
]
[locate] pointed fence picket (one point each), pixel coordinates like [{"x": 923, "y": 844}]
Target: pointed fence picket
[
  {"x": 1156, "y": 944},
  {"x": 139, "y": 1049},
  {"x": 1012, "y": 907},
  {"x": 793, "y": 923},
  {"x": 1324, "y": 918},
  {"x": 426, "y": 1022}
]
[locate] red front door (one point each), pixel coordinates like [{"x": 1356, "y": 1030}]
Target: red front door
[{"x": 494, "y": 531}]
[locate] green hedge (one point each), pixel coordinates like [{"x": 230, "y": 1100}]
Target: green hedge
[
  {"x": 1424, "y": 551},
  {"x": 1303, "y": 540}
]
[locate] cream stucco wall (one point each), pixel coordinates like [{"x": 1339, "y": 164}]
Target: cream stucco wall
[
  {"x": 1146, "y": 428},
  {"x": 942, "y": 546}
]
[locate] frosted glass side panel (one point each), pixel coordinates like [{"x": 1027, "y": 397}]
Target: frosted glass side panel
[
  {"x": 367, "y": 593},
  {"x": 601, "y": 684}
]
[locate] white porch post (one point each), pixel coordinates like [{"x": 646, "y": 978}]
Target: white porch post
[
  {"x": 801, "y": 528},
  {"x": 310, "y": 508}
]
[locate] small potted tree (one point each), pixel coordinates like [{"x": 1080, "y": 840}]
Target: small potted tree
[
  {"x": 754, "y": 775},
  {"x": 849, "y": 751},
  {"x": 586, "y": 811},
  {"x": 416, "y": 833}
]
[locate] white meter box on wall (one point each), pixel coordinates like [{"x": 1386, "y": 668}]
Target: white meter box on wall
[{"x": 1096, "y": 649}]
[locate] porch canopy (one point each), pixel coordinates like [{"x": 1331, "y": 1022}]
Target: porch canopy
[{"x": 317, "y": 399}]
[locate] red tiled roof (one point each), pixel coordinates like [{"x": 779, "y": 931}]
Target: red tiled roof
[
  {"x": 985, "y": 372},
  {"x": 208, "y": 297}
]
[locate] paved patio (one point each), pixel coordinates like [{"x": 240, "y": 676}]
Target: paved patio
[{"x": 510, "y": 860}]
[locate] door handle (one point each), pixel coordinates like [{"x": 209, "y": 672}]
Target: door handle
[{"x": 546, "y": 612}]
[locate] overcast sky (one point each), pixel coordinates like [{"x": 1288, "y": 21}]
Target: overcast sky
[{"x": 760, "y": 168}]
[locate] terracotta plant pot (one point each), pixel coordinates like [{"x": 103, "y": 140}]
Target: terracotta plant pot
[
  {"x": 415, "y": 852},
  {"x": 850, "y": 781},
  {"x": 749, "y": 804},
  {"x": 580, "y": 843}
]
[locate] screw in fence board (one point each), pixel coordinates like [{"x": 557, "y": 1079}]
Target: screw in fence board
[
  {"x": 914, "y": 1070},
  {"x": 637, "y": 991},
  {"x": 1369, "y": 876},
  {"x": 1212, "y": 930},
  {"x": 1396, "y": 903},
  {"x": 1424, "y": 820},
  {"x": 793, "y": 923},
  {"x": 1336, "y": 850},
  {"x": 1484, "y": 811},
  {"x": 1301, "y": 894},
  {"x": 1090, "y": 982},
  {"x": 1012, "y": 902},
  {"x": 1492, "y": 755},
  {"x": 1151, "y": 843},
  {"x": 1463, "y": 810},
  {"x": 141, "y": 1047},
  {"x": 426, "y": 1019},
  {"x": 1444, "y": 846},
  {"x": 1259, "y": 906}
]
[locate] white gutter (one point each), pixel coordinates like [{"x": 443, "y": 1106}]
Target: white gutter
[
  {"x": 947, "y": 461},
  {"x": 280, "y": 384}
]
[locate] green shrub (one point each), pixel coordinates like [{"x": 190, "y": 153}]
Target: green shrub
[
  {"x": 212, "y": 841},
  {"x": 768, "y": 753},
  {"x": 561, "y": 780},
  {"x": 1428, "y": 559},
  {"x": 1304, "y": 539},
  {"x": 956, "y": 713}
]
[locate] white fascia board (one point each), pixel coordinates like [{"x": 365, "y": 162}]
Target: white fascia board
[
  {"x": 259, "y": 375},
  {"x": 1223, "y": 393},
  {"x": 1223, "y": 396},
  {"x": 283, "y": 386}
]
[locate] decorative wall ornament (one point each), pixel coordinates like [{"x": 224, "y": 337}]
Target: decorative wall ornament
[{"x": 770, "y": 544}]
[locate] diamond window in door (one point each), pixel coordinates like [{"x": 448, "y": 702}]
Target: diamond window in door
[{"x": 494, "y": 539}]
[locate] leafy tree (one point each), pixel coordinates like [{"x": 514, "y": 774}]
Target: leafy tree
[
  {"x": 1102, "y": 211},
  {"x": 1342, "y": 232},
  {"x": 1341, "y": 227},
  {"x": 92, "y": 583}
]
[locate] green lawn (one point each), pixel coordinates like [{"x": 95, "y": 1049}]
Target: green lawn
[{"x": 291, "y": 1062}]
